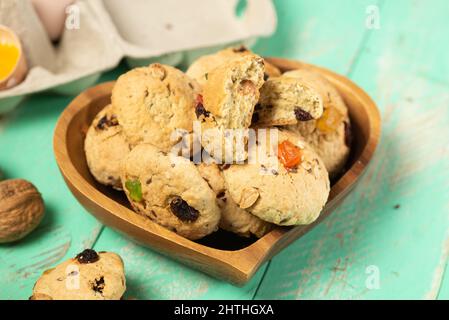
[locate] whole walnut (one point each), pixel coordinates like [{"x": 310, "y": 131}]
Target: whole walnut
[{"x": 21, "y": 209}]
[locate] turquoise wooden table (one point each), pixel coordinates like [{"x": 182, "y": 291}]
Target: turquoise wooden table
[{"x": 389, "y": 239}]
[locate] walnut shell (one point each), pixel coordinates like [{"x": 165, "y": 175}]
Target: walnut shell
[{"x": 21, "y": 209}]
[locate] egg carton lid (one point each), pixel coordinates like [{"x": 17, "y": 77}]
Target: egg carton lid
[{"x": 110, "y": 30}]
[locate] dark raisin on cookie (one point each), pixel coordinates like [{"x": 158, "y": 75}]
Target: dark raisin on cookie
[
  {"x": 255, "y": 118},
  {"x": 87, "y": 256},
  {"x": 240, "y": 49},
  {"x": 182, "y": 210},
  {"x": 102, "y": 123},
  {"x": 106, "y": 122},
  {"x": 221, "y": 194},
  {"x": 224, "y": 166},
  {"x": 265, "y": 76},
  {"x": 201, "y": 111},
  {"x": 348, "y": 134},
  {"x": 98, "y": 285},
  {"x": 302, "y": 115}
]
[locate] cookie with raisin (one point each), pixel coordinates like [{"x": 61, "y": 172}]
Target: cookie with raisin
[
  {"x": 90, "y": 275},
  {"x": 105, "y": 146},
  {"x": 152, "y": 103},
  {"x": 329, "y": 135},
  {"x": 169, "y": 190},
  {"x": 285, "y": 183},
  {"x": 285, "y": 100}
]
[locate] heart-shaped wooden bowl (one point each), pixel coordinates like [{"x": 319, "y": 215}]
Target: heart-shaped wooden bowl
[{"x": 222, "y": 254}]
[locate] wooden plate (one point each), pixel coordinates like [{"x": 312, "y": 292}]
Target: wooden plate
[{"x": 222, "y": 254}]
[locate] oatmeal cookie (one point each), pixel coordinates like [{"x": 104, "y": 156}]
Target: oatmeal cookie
[
  {"x": 169, "y": 190},
  {"x": 330, "y": 135},
  {"x": 88, "y": 276},
  {"x": 287, "y": 187},
  {"x": 152, "y": 102},
  {"x": 105, "y": 145},
  {"x": 285, "y": 100}
]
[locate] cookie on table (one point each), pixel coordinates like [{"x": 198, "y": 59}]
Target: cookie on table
[
  {"x": 152, "y": 102},
  {"x": 105, "y": 145},
  {"x": 285, "y": 100},
  {"x": 233, "y": 218},
  {"x": 330, "y": 135},
  {"x": 290, "y": 188},
  {"x": 200, "y": 68},
  {"x": 88, "y": 276},
  {"x": 169, "y": 190}
]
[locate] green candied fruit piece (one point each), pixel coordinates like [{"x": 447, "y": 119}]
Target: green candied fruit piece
[{"x": 135, "y": 189}]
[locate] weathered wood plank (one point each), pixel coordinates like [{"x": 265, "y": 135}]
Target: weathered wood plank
[{"x": 396, "y": 222}]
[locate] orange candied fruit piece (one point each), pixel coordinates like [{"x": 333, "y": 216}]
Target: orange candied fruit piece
[{"x": 289, "y": 154}]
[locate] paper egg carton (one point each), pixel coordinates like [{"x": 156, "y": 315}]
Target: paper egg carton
[{"x": 173, "y": 32}]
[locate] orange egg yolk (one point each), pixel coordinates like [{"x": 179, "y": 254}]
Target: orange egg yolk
[{"x": 9, "y": 56}]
